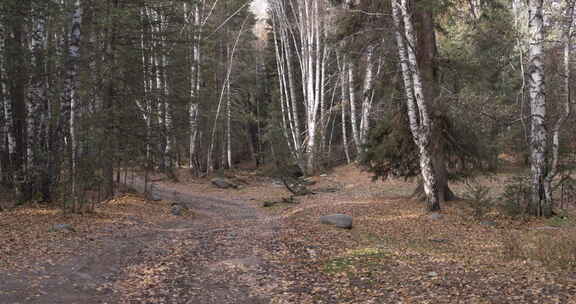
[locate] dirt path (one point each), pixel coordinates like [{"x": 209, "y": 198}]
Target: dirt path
[{"x": 217, "y": 256}]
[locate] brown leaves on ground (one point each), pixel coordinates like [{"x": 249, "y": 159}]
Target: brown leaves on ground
[
  {"x": 27, "y": 234},
  {"x": 396, "y": 253}
]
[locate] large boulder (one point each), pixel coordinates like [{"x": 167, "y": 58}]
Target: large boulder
[
  {"x": 223, "y": 183},
  {"x": 338, "y": 220}
]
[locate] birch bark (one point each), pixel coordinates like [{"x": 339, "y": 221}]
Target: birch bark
[
  {"x": 538, "y": 135},
  {"x": 306, "y": 34},
  {"x": 420, "y": 123},
  {"x": 367, "y": 94},
  {"x": 567, "y": 107},
  {"x": 195, "y": 72},
  {"x": 71, "y": 87},
  {"x": 351, "y": 71},
  {"x": 38, "y": 86}
]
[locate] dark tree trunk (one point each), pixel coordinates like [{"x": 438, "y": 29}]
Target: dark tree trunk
[
  {"x": 109, "y": 101},
  {"x": 427, "y": 53},
  {"x": 17, "y": 78}
]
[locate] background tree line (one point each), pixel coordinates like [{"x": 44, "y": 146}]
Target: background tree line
[{"x": 425, "y": 88}]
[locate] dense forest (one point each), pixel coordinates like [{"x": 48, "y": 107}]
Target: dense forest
[{"x": 432, "y": 89}]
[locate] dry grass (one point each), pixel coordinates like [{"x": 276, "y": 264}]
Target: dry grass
[{"x": 395, "y": 242}]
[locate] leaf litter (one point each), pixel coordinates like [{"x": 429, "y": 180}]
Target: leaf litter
[{"x": 395, "y": 252}]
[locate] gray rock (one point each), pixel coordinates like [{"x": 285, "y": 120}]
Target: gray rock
[
  {"x": 488, "y": 223},
  {"x": 440, "y": 241},
  {"x": 433, "y": 274},
  {"x": 177, "y": 209},
  {"x": 308, "y": 181},
  {"x": 338, "y": 220},
  {"x": 327, "y": 189},
  {"x": 223, "y": 184},
  {"x": 435, "y": 216},
  {"x": 154, "y": 197},
  {"x": 62, "y": 227}
]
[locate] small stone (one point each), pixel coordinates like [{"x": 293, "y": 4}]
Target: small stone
[
  {"x": 338, "y": 220},
  {"x": 222, "y": 183},
  {"x": 438, "y": 240},
  {"x": 488, "y": 223},
  {"x": 176, "y": 210},
  {"x": 63, "y": 227},
  {"x": 435, "y": 216},
  {"x": 433, "y": 274}
]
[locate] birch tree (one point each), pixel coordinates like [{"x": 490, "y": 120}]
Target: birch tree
[
  {"x": 538, "y": 134},
  {"x": 367, "y": 96},
  {"x": 193, "y": 17},
  {"x": 37, "y": 96},
  {"x": 303, "y": 29},
  {"x": 70, "y": 100},
  {"x": 420, "y": 122},
  {"x": 567, "y": 32}
]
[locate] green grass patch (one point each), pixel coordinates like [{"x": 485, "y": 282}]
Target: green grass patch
[
  {"x": 356, "y": 259},
  {"x": 562, "y": 220}
]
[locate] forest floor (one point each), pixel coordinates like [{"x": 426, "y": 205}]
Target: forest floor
[{"x": 227, "y": 248}]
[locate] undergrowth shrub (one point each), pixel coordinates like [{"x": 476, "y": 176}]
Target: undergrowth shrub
[
  {"x": 555, "y": 251},
  {"x": 567, "y": 187},
  {"x": 512, "y": 247},
  {"x": 516, "y": 196},
  {"x": 558, "y": 251},
  {"x": 478, "y": 199}
]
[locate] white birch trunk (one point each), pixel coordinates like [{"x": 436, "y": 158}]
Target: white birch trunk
[
  {"x": 38, "y": 86},
  {"x": 229, "y": 68},
  {"x": 169, "y": 138},
  {"x": 567, "y": 107},
  {"x": 420, "y": 124},
  {"x": 7, "y": 111},
  {"x": 367, "y": 94},
  {"x": 70, "y": 89},
  {"x": 538, "y": 135},
  {"x": 145, "y": 106},
  {"x": 228, "y": 121},
  {"x": 351, "y": 71},
  {"x": 309, "y": 19},
  {"x": 282, "y": 31},
  {"x": 343, "y": 102},
  {"x": 193, "y": 106}
]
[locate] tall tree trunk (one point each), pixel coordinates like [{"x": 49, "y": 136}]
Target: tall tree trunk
[
  {"x": 228, "y": 124},
  {"x": 343, "y": 101},
  {"x": 70, "y": 92},
  {"x": 367, "y": 95},
  {"x": 17, "y": 76},
  {"x": 420, "y": 122},
  {"x": 193, "y": 106},
  {"x": 567, "y": 107},
  {"x": 538, "y": 134},
  {"x": 38, "y": 86},
  {"x": 351, "y": 70},
  {"x": 110, "y": 100},
  {"x": 284, "y": 37},
  {"x": 426, "y": 53}
]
